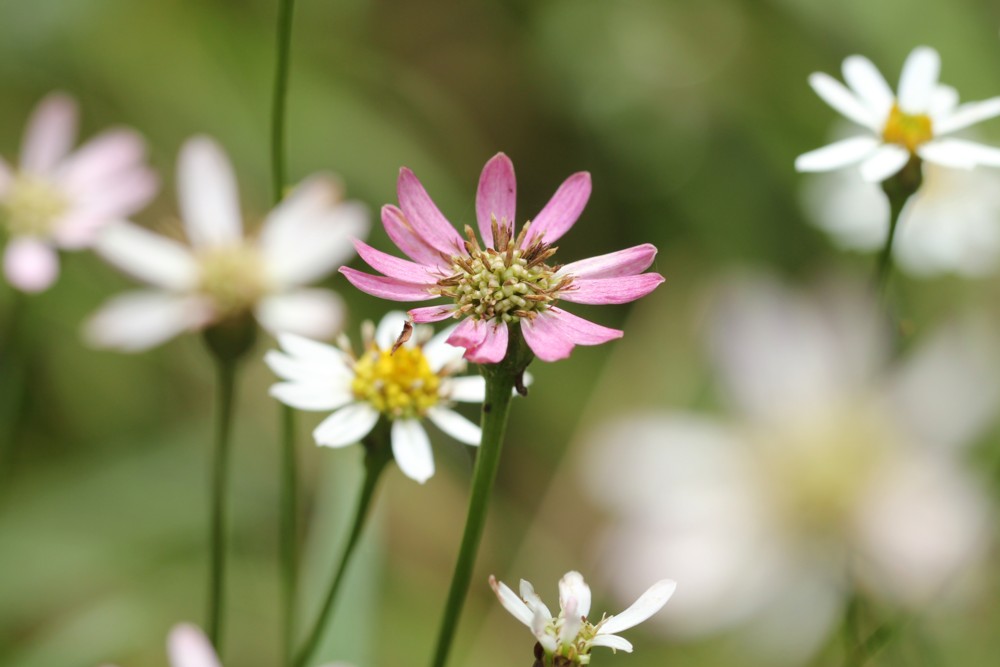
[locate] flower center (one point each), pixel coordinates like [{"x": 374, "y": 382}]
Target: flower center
[
  {"x": 234, "y": 279},
  {"x": 31, "y": 207},
  {"x": 505, "y": 283},
  {"x": 400, "y": 384},
  {"x": 907, "y": 130}
]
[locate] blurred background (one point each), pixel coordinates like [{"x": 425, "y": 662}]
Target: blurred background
[{"x": 689, "y": 117}]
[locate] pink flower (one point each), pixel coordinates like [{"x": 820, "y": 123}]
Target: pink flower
[
  {"x": 506, "y": 280},
  {"x": 57, "y": 199}
]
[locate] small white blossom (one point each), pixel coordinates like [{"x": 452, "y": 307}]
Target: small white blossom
[
  {"x": 571, "y": 635},
  {"x": 224, "y": 274},
  {"x": 903, "y": 125}
]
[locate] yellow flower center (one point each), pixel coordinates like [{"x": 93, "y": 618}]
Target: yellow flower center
[
  {"x": 400, "y": 384},
  {"x": 907, "y": 130},
  {"x": 234, "y": 278},
  {"x": 31, "y": 207}
]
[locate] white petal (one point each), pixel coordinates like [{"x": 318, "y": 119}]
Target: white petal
[
  {"x": 648, "y": 604},
  {"x": 960, "y": 153},
  {"x": 136, "y": 321},
  {"x": 50, "y": 134},
  {"x": 208, "y": 196},
  {"x": 539, "y": 620},
  {"x": 886, "y": 161},
  {"x": 943, "y": 103},
  {"x": 511, "y": 602},
  {"x": 187, "y": 646},
  {"x": 440, "y": 353},
  {"x": 865, "y": 79},
  {"x": 613, "y": 642},
  {"x": 412, "y": 449},
  {"x": 309, "y": 370},
  {"x": 312, "y": 351},
  {"x": 919, "y": 80},
  {"x": 842, "y": 100},
  {"x": 466, "y": 389},
  {"x": 314, "y": 397},
  {"x": 836, "y": 155},
  {"x": 30, "y": 265},
  {"x": 572, "y": 622},
  {"x": 346, "y": 426},
  {"x": 309, "y": 234},
  {"x": 532, "y": 600},
  {"x": 455, "y": 425},
  {"x": 148, "y": 257},
  {"x": 316, "y": 313},
  {"x": 573, "y": 587},
  {"x": 966, "y": 115},
  {"x": 389, "y": 328}
]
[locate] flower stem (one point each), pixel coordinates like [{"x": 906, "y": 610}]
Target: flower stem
[
  {"x": 377, "y": 455},
  {"x": 898, "y": 189},
  {"x": 501, "y": 379},
  {"x": 14, "y": 355},
  {"x": 278, "y": 177},
  {"x": 226, "y": 381}
]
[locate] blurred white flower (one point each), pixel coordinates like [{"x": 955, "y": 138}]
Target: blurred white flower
[
  {"x": 406, "y": 385},
  {"x": 903, "y": 125},
  {"x": 58, "y": 199},
  {"x": 187, "y": 646},
  {"x": 571, "y": 635},
  {"x": 225, "y": 274},
  {"x": 834, "y": 474},
  {"x": 952, "y": 224}
]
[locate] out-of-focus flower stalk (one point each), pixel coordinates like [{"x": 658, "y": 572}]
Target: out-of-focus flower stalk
[
  {"x": 501, "y": 380},
  {"x": 898, "y": 189},
  {"x": 14, "y": 355},
  {"x": 289, "y": 483}
]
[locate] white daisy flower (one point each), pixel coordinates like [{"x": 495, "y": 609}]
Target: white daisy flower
[
  {"x": 224, "y": 275},
  {"x": 905, "y": 125},
  {"x": 571, "y": 635},
  {"x": 58, "y": 199},
  {"x": 415, "y": 381},
  {"x": 951, "y": 225}
]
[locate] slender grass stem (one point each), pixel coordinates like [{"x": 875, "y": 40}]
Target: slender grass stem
[
  {"x": 377, "y": 456},
  {"x": 14, "y": 355},
  {"x": 278, "y": 100}
]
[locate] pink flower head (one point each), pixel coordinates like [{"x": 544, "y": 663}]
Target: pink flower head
[
  {"x": 506, "y": 280},
  {"x": 58, "y": 199}
]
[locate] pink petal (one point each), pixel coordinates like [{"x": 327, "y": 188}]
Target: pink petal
[
  {"x": 581, "y": 331},
  {"x": 628, "y": 262},
  {"x": 394, "y": 267},
  {"x": 563, "y": 209},
  {"x": 30, "y": 265},
  {"x": 554, "y": 334},
  {"x": 431, "y": 313},
  {"x": 469, "y": 333},
  {"x": 493, "y": 348},
  {"x": 110, "y": 202},
  {"x": 611, "y": 290},
  {"x": 102, "y": 158},
  {"x": 427, "y": 221},
  {"x": 386, "y": 288},
  {"x": 407, "y": 240},
  {"x": 187, "y": 646},
  {"x": 50, "y": 134},
  {"x": 496, "y": 196}
]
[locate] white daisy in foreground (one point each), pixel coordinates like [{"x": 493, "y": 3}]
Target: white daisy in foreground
[
  {"x": 224, "y": 275},
  {"x": 567, "y": 639},
  {"x": 832, "y": 475},
  {"x": 58, "y": 199},
  {"x": 952, "y": 224},
  {"x": 415, "y": 381},
  {"x": 187, "y": 646},
  {"x": 904, "y": 125}
]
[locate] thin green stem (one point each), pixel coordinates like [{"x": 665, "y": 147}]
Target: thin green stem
[
  {"x": 226, "y": 381},
  {"x": 289, "y": 526},
  {"x": 278, "y": 176},
  {"x": 501, "y": 379},
  {"x": 898, "y": 190},
  {"x": 14, "y": 355},
  {"x": 377, "y": 456}
]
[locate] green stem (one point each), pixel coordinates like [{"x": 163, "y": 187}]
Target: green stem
[
  {"x": 278, "y": 179},
  {"x": 289, "y": 526},
  {"x": 898, "y": 189},
  {"x": 13, "y": 379},
  {"x": 377, "y": 456},
  {"x": 501, "y": 379},
  {"x": 226, "y": 369}
]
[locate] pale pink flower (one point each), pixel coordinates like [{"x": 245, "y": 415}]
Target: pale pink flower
[
  {"x": 506, "y": 280},
  {"x": 223, "y": 273},
  {"x": 571, "y": 634},
  {"x": 59, "y": 199}
]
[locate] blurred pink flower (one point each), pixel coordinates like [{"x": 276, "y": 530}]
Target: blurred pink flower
[
  {"x": 507, "y": 282},
  {"x": 58, "y": 199},
  {"x": 224, "y": 273}
]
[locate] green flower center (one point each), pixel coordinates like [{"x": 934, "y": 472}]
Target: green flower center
[
  {"x": 505, "y": 283},
  {"x": 31, "y": 207},
  {"x": 907, "y": 130}
]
